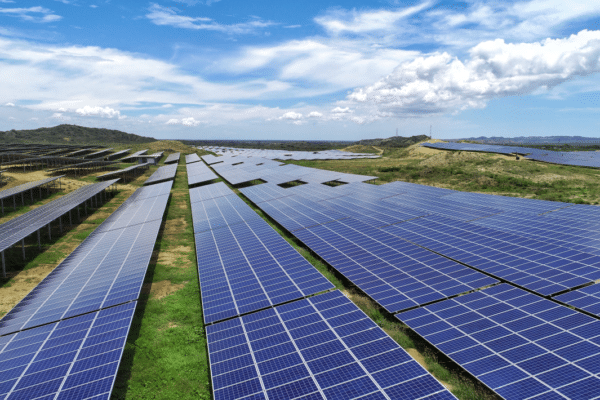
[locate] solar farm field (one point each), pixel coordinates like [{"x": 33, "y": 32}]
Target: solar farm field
[{"x": 399, "y": 277}]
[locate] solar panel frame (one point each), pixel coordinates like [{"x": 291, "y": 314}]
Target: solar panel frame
[
  {"x": 162, "y": 174},
  {"x": 75, "y": 358},
  {"x": 320, "y": 347},
  {"x": 518, "y": 344}
]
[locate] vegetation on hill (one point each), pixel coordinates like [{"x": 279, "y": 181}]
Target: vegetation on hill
[
  {"x": 394, "y": 141},
  {"x": 71, "y": 134}
]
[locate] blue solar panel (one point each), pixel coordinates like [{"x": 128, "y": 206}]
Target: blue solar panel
[
  {"x": 295, "y": 213},
  {"x": 108, "y": 268},
  {"x": 395, "y": 273},
  {"x": 208, "y": 192},
  {"x": 71, "y": 359},
  {"x": 533, "y": 264},
  {"x": 248, "y": 266},
  {"x": 219, "y": 212},
  {"x": 162, "y": 174},
  {"x": 322, "y": 347},
  {"x": 587, "y": 298},
  {"x": 518, "y": 344}
]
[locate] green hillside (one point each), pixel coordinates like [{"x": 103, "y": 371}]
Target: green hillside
[
  {"x": 71, "y": 134},
  {"x": 394, "y": 141}
]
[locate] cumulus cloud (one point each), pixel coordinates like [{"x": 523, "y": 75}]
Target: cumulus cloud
[
  {"x": 441, "y": 82},
  {"x": 160, "y": 15},
  {"x": 106, "y": 112},
  {"x": 32, "y": 14},
  {"x": 60, "y": 116},
  {"x": 291, "y": 115},
  {"x": 315, "y": 114},
  {"x": 189, "y": 121},
  {"x": 9, "y": 104}
]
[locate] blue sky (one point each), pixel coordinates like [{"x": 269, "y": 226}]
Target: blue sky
[{"x": 302, "y": 70}]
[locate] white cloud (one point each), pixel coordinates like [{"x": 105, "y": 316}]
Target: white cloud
[
  {"x": 168, "y": 17},
  {"x": 291, "y": 115},
  {"x": 9, "y": 104},
  {"x": 315, "y": 114},
  {"x": 60, "y": 116},
  {"x": 98, "y": 111},
  {"x": 342, "y": 21},
  {"x": 442, "y": 83},
  {"x": 32, "y": 14},
  {"x": 340, "y": 110},
  {"x": 190, "y": 121}
]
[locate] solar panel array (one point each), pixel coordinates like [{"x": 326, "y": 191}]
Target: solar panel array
[
  {"x": 162, "y": 174},
  {"x": 173, "y": 158},
  {"x": 71, "y": 359},
  {"x": 399, "y": 243},
  {"x": 577, "y": 158},
  {"x": 191, "y": 158},
  {"x": 287, "y": 154},
  {"x": 124, "y": 171},
  {"x": 198, "y": 172},
  {"x": 323, "y": 347},
  {"x": 236, "y": 170},
  {"x": 518, "y": 344},
  {"x": 208, "y": 192},
  {"x": 18, "y": 228},
  {"x": 243, "y": 264},
  {"x": 6, "y": 193},
  {"x": 132, "y": 157}
]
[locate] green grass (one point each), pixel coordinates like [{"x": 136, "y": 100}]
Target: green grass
[{"x": 166, "y": 356}]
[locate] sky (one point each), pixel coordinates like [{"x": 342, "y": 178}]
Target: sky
[{"x": 302, "y": 70}]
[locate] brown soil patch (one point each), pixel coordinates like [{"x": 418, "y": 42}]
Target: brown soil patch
[
  {"x": 171, "y": 256},
  {"x": 22, "y": 283},
  {"x": 169, "y": 326},
  {"x": 160, "y": 290},
  {"x": 174, "y": 226}
]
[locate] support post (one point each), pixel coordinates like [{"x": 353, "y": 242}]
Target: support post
[
  {"x": 39, "y": 240},
  {"x": 3, "y": 266},
  {"x": 23, "y": 247}
]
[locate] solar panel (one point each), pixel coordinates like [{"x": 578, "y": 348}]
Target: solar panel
[
  {"x": 295, "y": 213},
  {"x": 173, "y": 158},
  {"x": 533, "y": 264},
  {"x": 133, "y": 156},
  {"x": 124, "y": 171},
  {"x": 248, "y": 266},
  {"x": 393, "y": 272},
  {"x": 220, "y": 211},
  {"x": 107, "y": 269},
  {"x": 6, "y": 193},
  {"x": 211, "y": 191},
  {"x": 162, "y": 174},
  {"x": 323, "y": 347},
  {"x": 191, "y": 158},
  {"x": 72, "y": 359},
  {"x": 518, "y": 344},
  {"x": 24, "y": 225},
  {"x": 199, "y": 173},
  {"x": 587, "y": 298}
]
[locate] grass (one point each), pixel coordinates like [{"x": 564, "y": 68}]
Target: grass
[{"x": 166, "y": 356}]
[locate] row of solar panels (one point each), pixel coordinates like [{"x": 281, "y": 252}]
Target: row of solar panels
[
  {"x": 577, "y": 158},
  {"x": 236, "y": 170},
  {"x": 66, "y": 337},
  {"x": 18, "y": 228},
  {"x": 288, "y": 154},
  {"x": 381, "y": 238},
  {"x": 198, "y": 172},
  {"x": 277, "y": 342}
]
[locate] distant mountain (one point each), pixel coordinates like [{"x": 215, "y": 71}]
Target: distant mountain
[
  {"x": 71, "y": 134},
  {"x": 394, "y": 141}
]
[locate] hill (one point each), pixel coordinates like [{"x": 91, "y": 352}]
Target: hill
[
  {"x": 71, "y": 134},
  {"x": 394, "y": 141}
]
